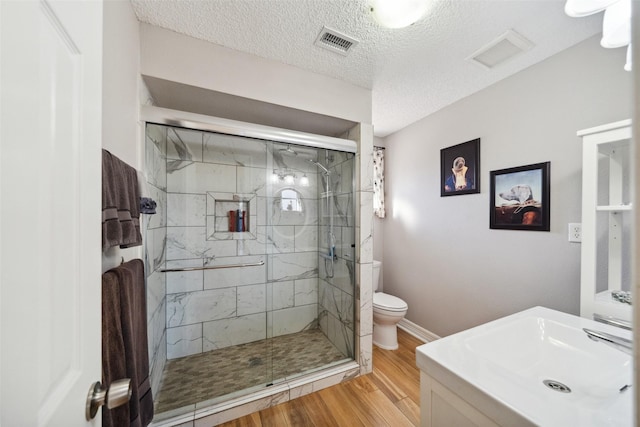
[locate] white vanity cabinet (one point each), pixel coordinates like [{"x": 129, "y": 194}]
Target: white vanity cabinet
[{"x": 606, "y": 220}]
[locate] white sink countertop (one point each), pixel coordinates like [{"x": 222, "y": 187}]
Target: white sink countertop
[{"x": 502, "y": 365}]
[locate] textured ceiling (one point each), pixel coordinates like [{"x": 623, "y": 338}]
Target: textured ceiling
[{"x": 412, "y": 72}]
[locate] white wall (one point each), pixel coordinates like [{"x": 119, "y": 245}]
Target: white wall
[
  {"x": 120, "y": 82},
  {"x": 121, "y": 133},
  {"x": 439, "y": 253},
  {"x": 179, "y": 58}
]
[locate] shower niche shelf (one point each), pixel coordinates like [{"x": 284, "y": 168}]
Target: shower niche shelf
[{"x": 231, "y": 216}]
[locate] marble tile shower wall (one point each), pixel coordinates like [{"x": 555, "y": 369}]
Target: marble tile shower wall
[
  {"x": 363, "y": 135},
  {"x": 155, "y": 235},
  {"x": 335, "y": 288},
  {"x": 206, "y": 310}
]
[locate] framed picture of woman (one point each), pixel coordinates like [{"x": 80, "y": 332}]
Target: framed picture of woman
[{"x": 460, "y": 169}]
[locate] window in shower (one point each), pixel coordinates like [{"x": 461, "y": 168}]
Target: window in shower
[{"x": 290, "y": 201}]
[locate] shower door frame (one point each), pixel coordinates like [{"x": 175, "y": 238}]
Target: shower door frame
[
  {"x": 175, "y": 118},
  {"x": 168, "y": 117}
]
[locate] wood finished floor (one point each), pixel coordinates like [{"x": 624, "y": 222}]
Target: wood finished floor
[{"x": 389, "y": 396}]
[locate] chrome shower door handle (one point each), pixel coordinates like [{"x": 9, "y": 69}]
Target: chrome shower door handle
[{"x": 118, "y": 393}]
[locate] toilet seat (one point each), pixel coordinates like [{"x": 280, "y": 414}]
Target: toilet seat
[{"x": 388, "y": 302}]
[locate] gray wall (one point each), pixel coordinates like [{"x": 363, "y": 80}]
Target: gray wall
[{"x": 439, "y": 253}]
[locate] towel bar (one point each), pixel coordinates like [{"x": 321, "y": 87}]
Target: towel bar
[{"x": 213, "y": 267}]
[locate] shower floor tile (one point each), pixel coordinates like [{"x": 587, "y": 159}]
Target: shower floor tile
[{"x": 205, "y": 376}]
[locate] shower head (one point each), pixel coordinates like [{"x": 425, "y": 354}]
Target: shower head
[
  {"x": 289, "y": 150},
  {"x": 318, "y": 164}
]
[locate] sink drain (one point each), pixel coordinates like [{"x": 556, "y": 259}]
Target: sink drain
[{"x": 557, "y": 386}]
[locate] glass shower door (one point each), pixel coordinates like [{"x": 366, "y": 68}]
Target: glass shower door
[
  {"x": 256, "y": 249},
  {"x": 292, "y": 234},
  {"x": 239, "y": 222},
  {"x": 310, "y": 309},
  {"x": 336, "y": 250}
]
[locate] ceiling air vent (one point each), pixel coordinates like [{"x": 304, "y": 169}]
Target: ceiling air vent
[
  {"x": 500, "y": 50},
  {"x": 335, "y": 41}
]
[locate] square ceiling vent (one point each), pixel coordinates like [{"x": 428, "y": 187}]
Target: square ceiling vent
[
  {"x": 335, "y": 41},
  {"x": 502, "y": 49}
]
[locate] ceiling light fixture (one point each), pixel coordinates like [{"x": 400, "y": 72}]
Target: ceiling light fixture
[
  {"x": 616, "y": 25},
  {"x": 289, "y": 179},
  {"x": 398, "y": 13}
]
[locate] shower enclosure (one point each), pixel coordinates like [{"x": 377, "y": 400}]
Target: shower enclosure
[{"x": 255, "y": 245}]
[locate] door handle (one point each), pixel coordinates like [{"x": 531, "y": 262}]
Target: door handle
[{"x": 118, "y": 393}]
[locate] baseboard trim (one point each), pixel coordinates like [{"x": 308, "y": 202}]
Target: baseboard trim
[{"x": 417, "y": 331}]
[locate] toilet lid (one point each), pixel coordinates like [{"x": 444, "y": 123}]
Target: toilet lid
[{"x": 388, "y": 302}]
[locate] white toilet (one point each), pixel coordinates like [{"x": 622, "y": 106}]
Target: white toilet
[{"x": 387, "y": 312}]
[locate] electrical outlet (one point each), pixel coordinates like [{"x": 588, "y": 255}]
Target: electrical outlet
[{"x": 575, "y": 232}]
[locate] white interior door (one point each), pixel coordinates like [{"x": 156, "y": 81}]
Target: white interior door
[{"x": 50, "y": 130}]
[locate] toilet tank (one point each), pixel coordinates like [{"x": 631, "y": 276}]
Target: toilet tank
[{"x": 376, "y": 274}]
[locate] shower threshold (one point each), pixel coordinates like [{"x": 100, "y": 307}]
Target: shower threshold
[{"x": 218, "y": 376}]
